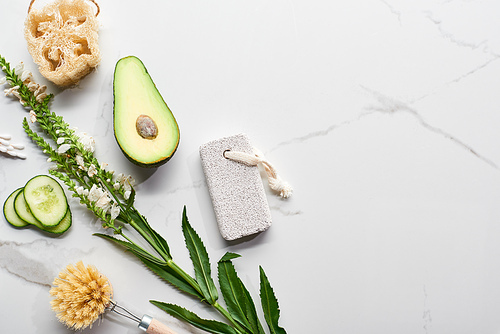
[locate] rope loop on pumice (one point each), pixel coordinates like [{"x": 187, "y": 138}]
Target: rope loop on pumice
[
  {"x": 93, "y": 1},
  {"x": 275, "y": 182}
]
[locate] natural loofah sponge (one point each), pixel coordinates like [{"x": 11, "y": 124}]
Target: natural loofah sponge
[{"x": 63, "y": 40}]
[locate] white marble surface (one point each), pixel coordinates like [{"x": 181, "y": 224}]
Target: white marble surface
[{"x": 383, "y": 115}]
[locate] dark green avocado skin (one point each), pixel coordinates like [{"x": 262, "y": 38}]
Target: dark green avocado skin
[
  {"x": 125, "y": 153},
  {"x": 152, "y": 165}
]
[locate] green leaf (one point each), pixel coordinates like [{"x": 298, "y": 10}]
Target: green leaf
[
  {"x": 201, "y": 262},
  {"x": 155, "y": 265},
  {"x": 139, "y": 252},
  {"x": 181, "y": 313},
  {"x": 232, "y": 291},
  {"x": 238, "y": 300},
  {"x": 143, "y": 225},
  {"x": 131, "y": 198},
  {"x": 269, "y": 304},
  {"x": 169, "y": 275},
  {"x": 229, "y": 256},
  {"x": 251, "y": 311}
]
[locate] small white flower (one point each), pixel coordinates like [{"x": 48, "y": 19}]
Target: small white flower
[
  {"x": 86, "y": 192},
  {"x": 63, "y": 148},
  {"x": 60, "y": 140},
  {"x": 126, "y": 195},
  {"x": 116, "y": 186},
  {"x": 92, "y": 171},
  {"x": 95, "y": 193},
  {"x": 104, "y": 165},
  {"x": 19, "y": 68},
  {"x": 33, "y": 87},
  {"x": 79, "y": 190},
  {"x": 80, "y": 162},
  {"x": 104, "y": 202},
  {"x": 49, "y": 159},
  {"x": 25, "y": 75},
  {"x": 127, "y": 187},
  {"x": 119, "y": 178},
  {"x": 11, "y": 91},
  {"x": 87, "y": 142},
  {"x": 3, "y": 80},
  {"x": 32, "y": 116},
  {"x": 40, "y": 89},
  {"x": 16, "y": 94},
  {"x": 115, "y": 211},
  {"x": 41, "y": 97}
]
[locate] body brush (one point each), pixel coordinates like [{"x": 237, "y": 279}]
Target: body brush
[{"x": 82, "y": 294}]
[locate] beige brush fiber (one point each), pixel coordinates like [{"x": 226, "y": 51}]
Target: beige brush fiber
[
  {"x": 81, "y": 295},
  {"x": 62, "y": 38}
]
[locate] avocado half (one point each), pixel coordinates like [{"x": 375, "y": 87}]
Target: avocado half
[{"x": 144, "y": 127}]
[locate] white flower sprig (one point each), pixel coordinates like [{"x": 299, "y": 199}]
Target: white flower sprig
[
  {"x": 26, "y": 77},
  {"x": 72, "y": 157}
]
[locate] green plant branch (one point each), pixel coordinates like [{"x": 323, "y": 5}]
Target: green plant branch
[{"x": 111, "y": 198}]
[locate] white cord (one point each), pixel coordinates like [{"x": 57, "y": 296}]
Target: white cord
[{"x": 274, "y": 180}]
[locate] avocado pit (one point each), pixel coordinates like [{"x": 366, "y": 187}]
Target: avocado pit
[{"x": 146, "y": 127}]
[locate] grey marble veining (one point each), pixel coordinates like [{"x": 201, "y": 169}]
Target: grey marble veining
[{"x": 38, "y": 262}]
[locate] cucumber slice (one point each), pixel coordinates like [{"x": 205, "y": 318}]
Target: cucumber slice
[
  {"x": 63, "y": 226},
  {"x": 46, "y": 200},
  {"x": 23, "y": 211},
  {"x": 9, "y": 212}
]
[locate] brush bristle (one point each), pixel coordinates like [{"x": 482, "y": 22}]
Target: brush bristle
[{"x": 81, "y": 295}]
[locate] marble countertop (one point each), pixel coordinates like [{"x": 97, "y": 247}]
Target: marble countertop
[{"x": 383, "y": 115}]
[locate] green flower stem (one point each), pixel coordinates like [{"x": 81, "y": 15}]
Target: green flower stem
[
  {"x": 184, "y": 275},
  {"x": 196, "y": 286},
  {"x": 150, "y": 241},
  {"x": 170, "y": 263},
  {"x": 228, "y": 316},
  {"x": 52, "y": 153}
]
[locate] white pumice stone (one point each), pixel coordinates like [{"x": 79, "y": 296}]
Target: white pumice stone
[
  {"x": 5, "y": 136},
  {"x": 4, "y": 142},
  {"x": 12, "y": 153},
  {"x": 18, "y": 146},
  {"x": 21, "y": 155},
  {"x": 236, "y": 189}
]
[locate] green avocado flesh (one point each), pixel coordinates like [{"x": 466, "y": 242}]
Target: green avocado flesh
[{"x": 144, "y": 126}]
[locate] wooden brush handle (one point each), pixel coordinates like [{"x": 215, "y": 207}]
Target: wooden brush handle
[
  {"x": 153, "y": 326},
  {"x": 157, "y": 327}
]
